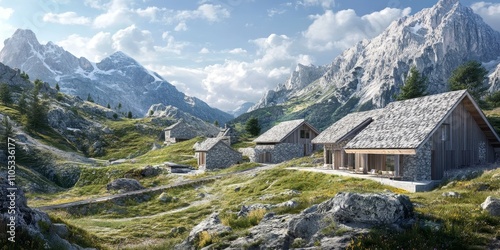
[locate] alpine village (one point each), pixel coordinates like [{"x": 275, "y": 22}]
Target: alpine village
[{"x": 393, "y": 145}]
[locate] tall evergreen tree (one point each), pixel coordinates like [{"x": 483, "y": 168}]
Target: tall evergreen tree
[
  {"x": 470, "y": 76},
  {"x": 5, "y": 95},
  {"x": 57, "y": 87},
  {"x": 129, "y": 115},
  {"x": 415, "y": 86},
  {"x": 252, "y": 126},
  {"x": 22, "y": 103},
  {"x": 36, "y": 114},
  {"x": 89, "y": 98}
]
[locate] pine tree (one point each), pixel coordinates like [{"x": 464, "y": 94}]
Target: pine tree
[
  {"x": 129, "y": 115},
  {"x": 252, "y": 126},
  {"x": 5, "y": 96},
  {"x": 119, "y": 105},
  {"x": 415, "y": 86},
  {"x": 22, "y": 103},
  {"x": 216, "y": 123},
  {"x": 89, "y": 98},
  {"x": 36, "y": 113},
  {"x": 108, "y": 106},
  {"x": 57, "y": 87},
  {"x": 470, "y": 76}
]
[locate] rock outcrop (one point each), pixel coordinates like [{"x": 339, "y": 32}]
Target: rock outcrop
[
  {"x": 332, "y": 223},
  {"x": 211, "y": 225},
  {"x": 124, "y": 185},
  {"x": 492, "y": 206},
  {"x": 33, "y": 229}
]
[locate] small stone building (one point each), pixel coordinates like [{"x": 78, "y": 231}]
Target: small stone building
[
  {"x": 179, "y": 131},
  {"x": 419, "y": 139},
  {"x": 214, "y": 153},
  {"x": 283, "y": 142}
]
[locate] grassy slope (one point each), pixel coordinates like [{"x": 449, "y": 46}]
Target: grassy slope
[{"x": 464, "y": 224}]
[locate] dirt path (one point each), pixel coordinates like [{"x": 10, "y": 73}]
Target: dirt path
[{"x": 148, "y": 190}]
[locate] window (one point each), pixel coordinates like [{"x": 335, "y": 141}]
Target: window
[
  {"x": 445, "y": 132},
  {"x": 390, "y": 162},
  {"x": 304, "y": 134}
]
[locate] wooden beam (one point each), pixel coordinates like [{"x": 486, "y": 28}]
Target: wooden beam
[{"x": 386, "y": 151}]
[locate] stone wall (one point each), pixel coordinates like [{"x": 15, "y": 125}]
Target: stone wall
[
  {"x": 221, "y": 156},
  {"x": 418, "y": 167},
  {"x": 181, "y": 131}
]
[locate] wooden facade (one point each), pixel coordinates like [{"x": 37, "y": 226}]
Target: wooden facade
[
  {"x": 460, "y": 142},
  {"x": 303, "y": 135}
]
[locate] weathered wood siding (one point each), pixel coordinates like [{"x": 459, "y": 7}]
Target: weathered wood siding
[
  {"x": 295, "y": 136},
  {"x": 463, "y": 144}
]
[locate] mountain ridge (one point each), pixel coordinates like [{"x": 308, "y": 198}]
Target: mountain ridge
[
  {"x": 118, "y": 80},
  {"x": 436, "y": 40}
]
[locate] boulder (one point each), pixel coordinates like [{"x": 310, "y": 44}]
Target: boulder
[
  {"x": 451, "y": 194},
  {"x": 150, "y": 171},
  {"x": 124, "y": 185},
  {"x": 211, "y": 225},
  {"x": 492, "y": 206},
  {"x": 384, "y": 208}
]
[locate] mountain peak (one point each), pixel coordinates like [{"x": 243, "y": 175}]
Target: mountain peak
[{"x": 23, "y": 35}]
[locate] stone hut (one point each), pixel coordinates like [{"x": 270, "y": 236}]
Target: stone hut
[
  {"x": 420, "y": 139},
  {"x": 179, "y": 131},
  {"x": 285, "y": 141},
  {"x": 214, "y": 153}
]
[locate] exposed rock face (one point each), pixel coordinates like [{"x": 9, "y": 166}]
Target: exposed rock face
[
  {"x": 149, "y": 171},
  {"x": 33, "y": 229},
  {"x": 124, "y": 185},
  {"x": 117, "y": 79},
  {"x": 243, "y": 108},
  {"x": 435, "y": 40},
  {"x": 199, "y": 126},
  {"x": 212, "y": 225},
  {"x": 368, "y": 208},
  {"x": 300, "y": 78},
  {"x": 351, "y": 214},
  {"x": 492, "y": 206}
]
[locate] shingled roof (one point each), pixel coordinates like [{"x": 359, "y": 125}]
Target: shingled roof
[
  {"x": 279, "y": 132},
  {"x": 207, "y": 144},
  {"x": 344, "y": 127},
  {"x": 407, "y": 124}
]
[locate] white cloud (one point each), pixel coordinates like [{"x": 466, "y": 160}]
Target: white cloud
[
  {"x": 490, "y": 12},
  {"x": 133, "y": 41},
  {"x": 117, "y": 12},
  {"x": 171, "y": 46},
  {"x": 181, "y": 26},
  {"x": 327, "y": 4},
  {"x": 341, "y": 30},
  {"x": 204, "y": 51},
  {"x": 273, "y": 12},
  {"x": 94, "y": 48},
  {"x": 237, "y": 51},
  {"x": 66, "y": 18},
  {"x": 6, "y": 13},
  {"x": 212, "y": 13}
]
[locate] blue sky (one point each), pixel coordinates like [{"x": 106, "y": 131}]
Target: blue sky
[{"x": 224, "y": 52}]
